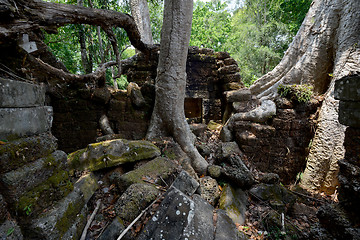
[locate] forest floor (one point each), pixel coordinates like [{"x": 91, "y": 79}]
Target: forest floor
[{"x": 263, "y": 220}]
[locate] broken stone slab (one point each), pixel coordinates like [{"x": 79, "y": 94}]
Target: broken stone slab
[
  {"x": 112, "y": 153},
  {"x": 14, "y": 94},
  {"x": 135, "y": 199},
  {"x": 66, "y": 215},
  {"x": 10, "y": 230},
  {"x": 202, "y": 225},
  {"x": 240, "y": 95},
  {"x": 233, "y": 202},
  {"x": 174, "y": 215},
  {"x": 278, "y": 196},
  {"x": 209, "y": 190},
  {"x": 226, "y": 228},
  {"x": 14, "y": 154},
  {"x": 185, "y": 183},
  {"x": 23, "y": 122},
  {"x": 17, "y": 182},
  {"x": 180, "y": 217},
  {"x": 158, "y": 170}
]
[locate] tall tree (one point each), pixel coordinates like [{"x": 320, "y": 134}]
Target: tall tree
[
  {"x": 325, "y": 49},
  {"x": 168, "y": 116},
  {"x": 140, "y": 12}
]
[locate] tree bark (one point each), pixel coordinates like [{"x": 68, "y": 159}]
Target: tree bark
[
  {"x": 168, "y": 116},
  {"x": 36, "y": 15},
  {"x": 325, "y": 49},
  {"x": 141, "y": 15},
  {"x": 85, "y": 60}
]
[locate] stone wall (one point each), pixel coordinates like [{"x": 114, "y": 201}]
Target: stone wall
[
  {"x": 281, "y": 144},
  {"x": 33, "y": 173},
  {"x": 77, "y": 110}
]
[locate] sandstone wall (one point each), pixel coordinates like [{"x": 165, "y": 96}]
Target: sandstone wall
[
  {"x": 281, "y": 144},
  {"x": 77, "y": 111}
]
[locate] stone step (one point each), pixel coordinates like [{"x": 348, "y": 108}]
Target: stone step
[
  {"x": 23, "y": 122},
  {"x": 21, "y": 180},
  {"x": 14, "y": 94},
  {"x": 68, "y": 217},
  {"x": 14, "y": 154}
]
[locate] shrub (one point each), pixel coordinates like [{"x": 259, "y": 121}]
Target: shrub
[{"x": 299, "y": 93}]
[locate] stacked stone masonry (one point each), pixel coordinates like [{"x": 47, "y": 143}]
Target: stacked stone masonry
[
  {"x": 34, "y": 180},
  {"x": 281, "y": 144},
  {"x": 77, "y": 111}
]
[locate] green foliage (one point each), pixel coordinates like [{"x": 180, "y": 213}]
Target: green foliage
[
  {"x": 156, "y": 9},
  {"x": 299, "y": 93},
  {"x": 258, "y": 38},
  {"x": 10, "y": 231},
  {"x": 27, "y": 209},
  {"x": 211, "y": 25}
]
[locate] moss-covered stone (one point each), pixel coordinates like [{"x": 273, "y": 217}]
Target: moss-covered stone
[
  {"x": 234, "y": 203},
  {"x": 111, "y": 153},
  {"x": 17, "y": 182},
  {"x": 62, "y": 220},
  {"x": 44, "y": 195},
  {"x": 153, "y": 171},
  {"x": 136, "y": 198},
  {"x": 17, "y": 153},
  {"x": 278, "y": 196}
]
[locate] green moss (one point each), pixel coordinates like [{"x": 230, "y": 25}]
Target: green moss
[
  {"x": 65, "y": 222},
  {"x": 74, "y": 158},
  {"x": 42, "y": 196}
]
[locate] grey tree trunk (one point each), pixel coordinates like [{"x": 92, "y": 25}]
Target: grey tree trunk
[
  {"x": 85, "y": 60},
  {"x": 140, "y": 12},
  {"x": 325, "y": 49},
  {"x": 168, "y": 116}
]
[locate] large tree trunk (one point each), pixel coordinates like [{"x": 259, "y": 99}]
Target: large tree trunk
[
  {"x": 325, "y": 49},
  {"x": 141, "y": 15},
  {"x": 168, "y": 116}
]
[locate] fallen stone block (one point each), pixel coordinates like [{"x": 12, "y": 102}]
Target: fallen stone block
[
  {"x": 111, "y": 153},
  {"x": 233, "y": 202},
  {"x": 185, "y": 183},
  {"x": 156, "y": 171},
  {"x": 135, "y": 199}
]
